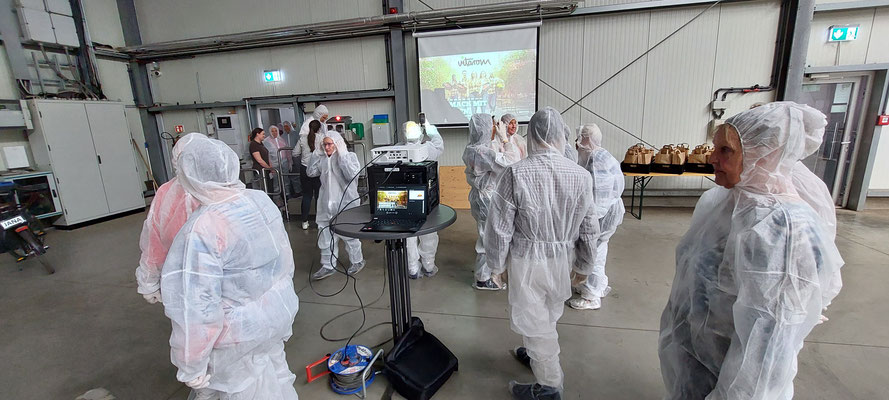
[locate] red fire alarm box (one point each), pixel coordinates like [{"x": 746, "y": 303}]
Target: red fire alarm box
[
  {"x": 883, "y": 120},
  {"x": 180, "y": 129}
]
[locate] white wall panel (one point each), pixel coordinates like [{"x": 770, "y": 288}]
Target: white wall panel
[
  {"x": 822, "y": 54},
  {"x": 679, "y": 82},
  {"x": 177, "y": 84},
  {"x": 115, "y": 80},
  {"x": 165, "y": 20},
  {"x": 561, "y": 58},
  {"x": 103, "y": 21},
  {"x": 341, "y": 65},
  {"x": 747, "y": 33},
  {"x": 612, "y": 42},
  {"x": 878, "y": 50},
  {"x": 8, "y": 88}
]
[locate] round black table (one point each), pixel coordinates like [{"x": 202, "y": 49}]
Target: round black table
[{"x": 349, "y": 224}]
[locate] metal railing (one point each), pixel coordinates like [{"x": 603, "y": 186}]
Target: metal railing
[{"x": 263, "y": 177}]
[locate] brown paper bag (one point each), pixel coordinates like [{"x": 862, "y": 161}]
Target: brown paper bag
[{"x": 665, "y": 156}]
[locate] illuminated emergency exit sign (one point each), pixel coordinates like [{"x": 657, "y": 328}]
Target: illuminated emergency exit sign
[
  {"x": 843, "y": 33},
  {"x": 272, "y": 76}
]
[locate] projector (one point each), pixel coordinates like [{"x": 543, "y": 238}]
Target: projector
[{"x": 405, "y": 153}]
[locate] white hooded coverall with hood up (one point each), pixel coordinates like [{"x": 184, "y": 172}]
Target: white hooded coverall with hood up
[
  {"x": 514, "y": 147},
  {"x": 339, "y": 192},
  {"x": 542, "y": 221},
  {"x": 752, "y": 273},
  {"x": 227, "y": 284},
  {"x": 608, "y": 186},
  {"x": 484, "y": 165},
  {"x": 168, "y": 212},
  {"x": 421, "y": 250}
]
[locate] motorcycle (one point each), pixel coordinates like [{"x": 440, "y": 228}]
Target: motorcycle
[{"x": 20, "y": 235}]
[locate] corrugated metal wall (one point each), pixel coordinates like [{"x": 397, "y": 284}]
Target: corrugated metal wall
[
  {"x": 663, "y": 97},
  {"x": 342, "y": 65},
  {"x": 872, "y": 45},
  {"x": 177, "y": 19}
]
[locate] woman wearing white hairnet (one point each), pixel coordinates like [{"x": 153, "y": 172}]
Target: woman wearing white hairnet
[
  {"x": 227, "y": 284},
  {"x": 542, "y": 222},
  {"x": 483, "y": 166},
  {"x": 168, "y": 212},
  {"x": 753, "y": 269},
  {"x": 508, "y": 141},
  {"x": 275, "y": 142},
  {"x": 608, "y": 186},
  {"x": 337, "y": 168},
  {"x": 421, "y": 250}
]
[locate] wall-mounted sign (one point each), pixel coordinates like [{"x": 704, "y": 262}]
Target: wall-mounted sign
[
  {"x": 272, "y": 76},
  {"x": 843, "y": 33}
]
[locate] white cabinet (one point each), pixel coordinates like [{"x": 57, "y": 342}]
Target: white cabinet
[{"x": 87, "y": 146}]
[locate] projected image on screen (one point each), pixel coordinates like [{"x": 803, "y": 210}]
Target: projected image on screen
[{"x": 485, "y": 72}]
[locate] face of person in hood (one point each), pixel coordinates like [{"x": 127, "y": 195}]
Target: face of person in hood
[
  {"x": 512, "y": 127},
  {"x": 727, "y": 157},
  {"x": 329, "y": 146}
]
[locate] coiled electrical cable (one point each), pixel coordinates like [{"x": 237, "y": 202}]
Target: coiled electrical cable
[{"x": 347, "y": 367}]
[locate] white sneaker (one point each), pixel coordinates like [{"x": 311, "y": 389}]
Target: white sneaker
[
  {"x": 356, "y": 267},
  {"x": 306, "y": 225},
  {"x": 581, "y": 303}
]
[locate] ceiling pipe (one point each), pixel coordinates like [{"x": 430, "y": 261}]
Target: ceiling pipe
[{"x": 354, "y": 27}]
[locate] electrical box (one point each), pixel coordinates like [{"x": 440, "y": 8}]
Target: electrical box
[
  {"x": 381, "y": 131},
  {"x": 340, "y": 123},
  {"x": 228, "y": 130},
  {"x": 87, "y": 146}
]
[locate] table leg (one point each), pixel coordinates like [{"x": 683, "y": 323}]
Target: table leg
[
  {"x": 641, "y": 182},
  {"x": 399, "y": 286}
]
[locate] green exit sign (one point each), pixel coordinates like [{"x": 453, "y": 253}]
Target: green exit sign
[
  {"x": 843, "y": 33},
  {"x": 272, "y": 76}
]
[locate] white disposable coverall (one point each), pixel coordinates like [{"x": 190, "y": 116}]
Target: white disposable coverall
[
  {"x": 542, "y": 220},
  {"x": 227, "y": 283},
  {"x": 483, "y": 167},
  {"x": 751, "y": 271},
  {"x": 514, "y": 147},
  {"x": 424, "y": 253},
  {"x": 608, "y": 186},
  {"x": 168, "y": 212},
  {"x": 339, "y": 192}
]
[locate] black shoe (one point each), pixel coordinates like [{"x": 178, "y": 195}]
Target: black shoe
[
  {"x": 533, "y": 391},
  {"x": 488, "y": 285},
  {"x": 521, "y": 355}
]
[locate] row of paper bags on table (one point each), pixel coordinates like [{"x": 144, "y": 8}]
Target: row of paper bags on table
[{"x": 670, "y": 159}]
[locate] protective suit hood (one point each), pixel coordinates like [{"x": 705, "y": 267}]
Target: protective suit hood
[
  {"x": 547, "y": 132},
  {"x": 771, "y": 143},
  {"x": 210, "y": 171},
  {"x": 480, "y": 127},
  {"x": 319, "y": 112},
  {"x": 589, "y": 138}
]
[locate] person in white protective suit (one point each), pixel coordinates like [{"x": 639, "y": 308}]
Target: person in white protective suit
[
  {"x": 570, "y": 150},
  {"x": 338, "y": 169},
  {"x": 754, "y": 270},
  {"x": 168, "y": 212},
  {"x": 320, "y": 114},
  {"x": 508, "y": 141},
  {"x": 273, "y": 143},
  {"x": 227, "y": 284},
  {"x": 421, "y": 250},
  {"x": 608, "y": 186},
  {"x": 484, "y": 165},
  {"x": 542, "y": 222}
]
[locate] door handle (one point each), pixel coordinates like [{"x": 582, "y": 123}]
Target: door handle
[{"x": 99, "y": 157}]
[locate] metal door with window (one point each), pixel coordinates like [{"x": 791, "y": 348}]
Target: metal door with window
[{"x": 842, "y": 100}]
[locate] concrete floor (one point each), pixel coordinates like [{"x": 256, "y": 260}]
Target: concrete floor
[{"x": 85, "y": 327}]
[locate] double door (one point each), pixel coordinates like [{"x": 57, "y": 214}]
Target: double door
[{"x": 91, "y": 157}]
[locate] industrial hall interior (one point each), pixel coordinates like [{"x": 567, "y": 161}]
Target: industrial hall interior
[{"x": 444, "y": 199}]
